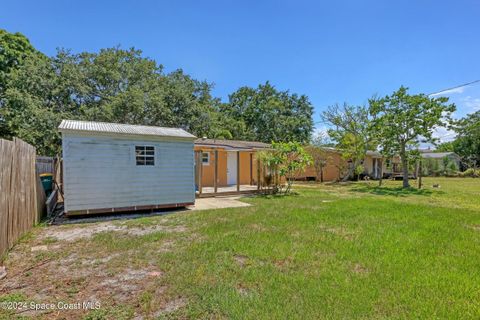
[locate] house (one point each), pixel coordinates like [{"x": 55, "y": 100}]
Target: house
[
  {"x": 110, "y": 167},
  {"x": 334, "y": 166},
  {"x": 222, "y": 163},
  {"x": 440, "y": 156}
]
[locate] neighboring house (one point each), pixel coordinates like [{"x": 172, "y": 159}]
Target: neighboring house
[
  {"x": 109, "y": 167},
  {"x": 235, "y": 160},
  {"x": 440, "y": 156},
  {"x": 335, "y": 166}
]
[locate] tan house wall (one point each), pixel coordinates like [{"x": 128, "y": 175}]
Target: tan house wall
[
  {"x": 208, "y": 170},
  {"x": 331, "y": 172}
]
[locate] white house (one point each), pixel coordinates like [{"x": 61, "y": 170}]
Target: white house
[{"x": 109, "y": 167}]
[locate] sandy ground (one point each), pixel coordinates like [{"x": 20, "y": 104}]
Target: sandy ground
[{"x": 97, "y": 260}]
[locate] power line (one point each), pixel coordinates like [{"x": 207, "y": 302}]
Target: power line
[{"x": 453, "y": 88}]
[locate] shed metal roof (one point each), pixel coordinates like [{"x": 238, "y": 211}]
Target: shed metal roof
[{"x": 118, "y": 128}]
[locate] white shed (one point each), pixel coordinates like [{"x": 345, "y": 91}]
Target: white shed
[{"x": 110, "y": 167}]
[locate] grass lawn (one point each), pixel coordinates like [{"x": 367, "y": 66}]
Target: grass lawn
[{"x": 332, "y": 251}]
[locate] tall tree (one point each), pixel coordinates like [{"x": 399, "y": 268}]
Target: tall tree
[
  {"x": 14, "y": 49},
  {"x": 114, "y": 85},
  {"x": 467, "y": 142},
  {"x": 270, "y": 115},
  {"x": 351, "y": 133},
  {"x": 401, "y": 121}
]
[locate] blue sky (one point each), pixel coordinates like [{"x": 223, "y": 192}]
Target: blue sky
[{"x": 332, "y": 51}]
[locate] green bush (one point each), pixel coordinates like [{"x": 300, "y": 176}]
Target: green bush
[{"x": 474, "y": 173}]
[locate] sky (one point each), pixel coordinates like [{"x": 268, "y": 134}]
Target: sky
[{"x": 331, "y": 51}]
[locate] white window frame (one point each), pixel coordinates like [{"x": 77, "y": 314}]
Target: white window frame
[
  {"x": 208, "y": 158},
  {"x": 145, "y": 157}
]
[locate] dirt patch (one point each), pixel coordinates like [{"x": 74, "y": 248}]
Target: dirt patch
[
  {"x": 240, "y": 260},
  {"x": 475, "y": 227},
  {"x": 284, "y": 264},
  {"x": 359, "y": 269},
  {"x": 243, "y": 290},
  {"x": 62, "y": 263},
  {"x": 172, "y": 306},
  {"x": 69, "y": 233},
  {"x": 340, "y": 231}
]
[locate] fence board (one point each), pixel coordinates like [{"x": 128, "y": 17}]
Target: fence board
[
  {"x": 22, "y": 199},
  {"x": 45, "y": 164}
]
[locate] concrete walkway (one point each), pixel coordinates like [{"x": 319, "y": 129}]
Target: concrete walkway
[{"x": 217, "y": 203}]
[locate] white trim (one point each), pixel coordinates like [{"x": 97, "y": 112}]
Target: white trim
[
  {"x": 154, "y": 156},
  {"x": 208, "y": 158}
]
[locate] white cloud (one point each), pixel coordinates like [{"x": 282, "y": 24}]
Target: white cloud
[
  {"x": 320, "y": 130},
  {"x": 445, "y": 92},
  {"x": 443, "y": 134},
  {"x": 472, "y": 104}
]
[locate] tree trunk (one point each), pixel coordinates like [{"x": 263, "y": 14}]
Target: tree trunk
[
  {"x": 419, "y": 175},
  {"x": 351, "y": 171},
  {"x": 380, "y": 180},
  {"x": 321, "y": 174},
  {"x": 403, "y": 156}
]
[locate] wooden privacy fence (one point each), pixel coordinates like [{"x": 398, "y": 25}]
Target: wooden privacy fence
[
  {"x": 22, "y": 199},
  {"x": 45, "y": 165}
]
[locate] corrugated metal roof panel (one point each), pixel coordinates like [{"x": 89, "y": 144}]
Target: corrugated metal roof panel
[{"x": 91, "y": 126}]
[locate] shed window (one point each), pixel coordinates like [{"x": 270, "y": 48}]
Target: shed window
[
  {"x": 205, "y": 158},
  {"x": 145, "y": 155}
]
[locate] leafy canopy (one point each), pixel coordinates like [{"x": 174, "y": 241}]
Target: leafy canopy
[
  {"x": 351, "y": 132},
  {"x": 123, "y": 86},
  {"x": 268, "y": 114},
  {"x": 401, "y": 121},
  {"x": 287, "y": 159},
  {"x": 467, "y": 142}
]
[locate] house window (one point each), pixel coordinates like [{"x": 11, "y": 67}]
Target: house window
[
  {"x": 205, "y": 158},
  {"x": 145, "y": 155}
]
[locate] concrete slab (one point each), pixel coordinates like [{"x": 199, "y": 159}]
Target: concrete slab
[{"x": 218, "y": 203}]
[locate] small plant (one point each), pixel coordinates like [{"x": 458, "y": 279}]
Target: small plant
[
  {"x": 284, "y": 162},
  {"x": 359, "y": 170},
  {"x": 471, "y": 172}
]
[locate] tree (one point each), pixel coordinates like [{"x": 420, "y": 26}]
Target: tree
[
  {"x": 445, "y": 147},
  {"x": 467, "y": 142},
  {"x": 351, "y": 133},
  {"x": 320, "y": 155},
  {"x": 286, "y": 159},
  {"x": 401, "y": 121},
  {"x": 320, "y": 159},
  {"x": 114, "y": 85},
  {"x": 270, "y": 115},
  {"x": 123, "y": 86},
  {"x": 14, "y": 49}
]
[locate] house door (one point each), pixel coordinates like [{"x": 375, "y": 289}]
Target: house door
[{"x": 231, "y": 168}]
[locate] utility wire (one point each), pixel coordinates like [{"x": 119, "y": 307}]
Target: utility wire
[{"x": 452, "y": 88}]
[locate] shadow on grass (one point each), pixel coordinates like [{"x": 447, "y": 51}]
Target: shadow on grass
[
  {"x": 393, "y": 191},
  {"x": 276, "y": 195}
]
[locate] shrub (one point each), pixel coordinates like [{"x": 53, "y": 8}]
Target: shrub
[{"x": 471, "y": 172}]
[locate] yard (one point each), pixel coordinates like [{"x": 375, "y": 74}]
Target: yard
[{"x": 332, "y": 251}]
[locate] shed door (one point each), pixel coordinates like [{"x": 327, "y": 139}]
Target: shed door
[{"x": 231, "y": 168}]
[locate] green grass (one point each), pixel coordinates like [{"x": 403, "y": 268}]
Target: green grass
[
  {"x": 352, "y": 251},
  {"x": 333, "y": 251}
]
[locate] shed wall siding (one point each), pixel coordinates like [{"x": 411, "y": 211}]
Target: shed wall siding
[{"x": 101, "y": 172}]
